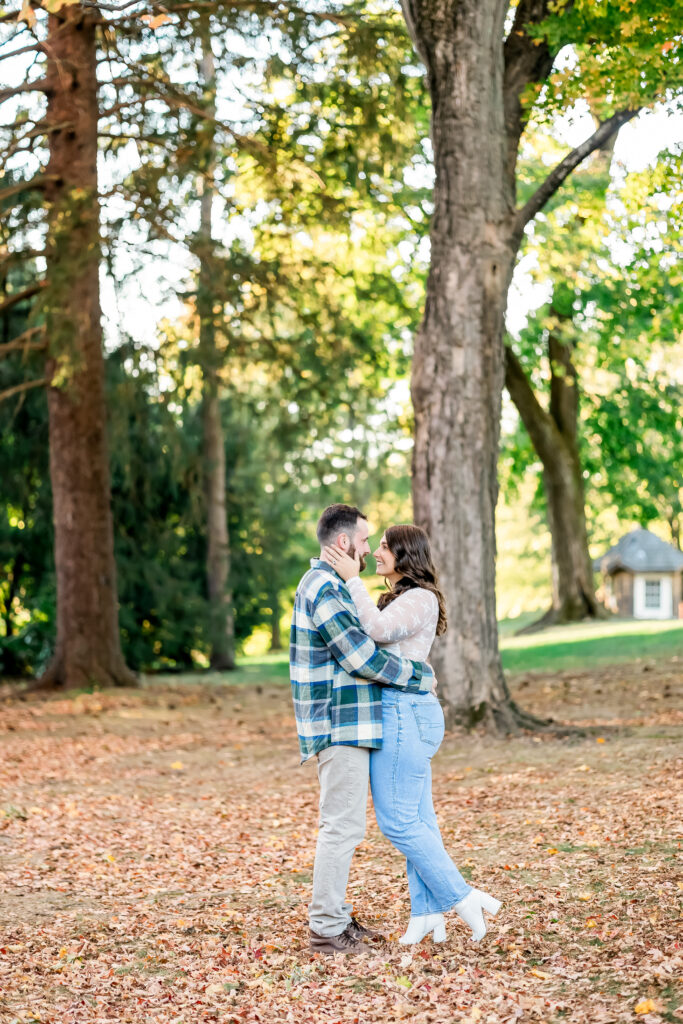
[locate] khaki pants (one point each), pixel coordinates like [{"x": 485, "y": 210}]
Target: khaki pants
[{"x": 343, "y": 775}]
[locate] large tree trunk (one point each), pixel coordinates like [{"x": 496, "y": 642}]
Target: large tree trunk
[
  {"x": 88, "y": 648},
  {"x": 477, "y": 81},
  {"x": 458, "y": 364},
  {"x": 221, "y": 623}
]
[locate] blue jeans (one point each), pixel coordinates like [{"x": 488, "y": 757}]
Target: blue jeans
[{"x": 401, "y": 781}]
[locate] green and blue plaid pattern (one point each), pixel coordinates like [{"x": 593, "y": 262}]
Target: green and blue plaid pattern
[{"x": 337, "y": 671}]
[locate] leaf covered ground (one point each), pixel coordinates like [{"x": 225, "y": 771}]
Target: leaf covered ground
[{"x": 157, "y": 848}]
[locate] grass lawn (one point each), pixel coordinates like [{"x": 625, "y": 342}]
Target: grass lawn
[
  {"x": 586, "y": 645},
  {"x": 582, "y": 646}
]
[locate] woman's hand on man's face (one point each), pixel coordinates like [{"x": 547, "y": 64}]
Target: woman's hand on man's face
[{"x": 343, "y": 564}]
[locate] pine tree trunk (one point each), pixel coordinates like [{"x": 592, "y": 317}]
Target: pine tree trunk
[
  {"x": 221, "y": 623},
  {"x": 88, "y": 647},
  {"x": 458, "y": 364}
]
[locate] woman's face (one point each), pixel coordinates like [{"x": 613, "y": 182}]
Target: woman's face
[{"x": 385, "y": 560}]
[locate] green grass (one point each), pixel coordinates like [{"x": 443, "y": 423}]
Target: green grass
[
  {"x": 269, "y": 668},
  {"x": 579, "y": 646},
  {"x": 585, "y": 645}
]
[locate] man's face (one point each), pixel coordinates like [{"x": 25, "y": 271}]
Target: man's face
[{"x": 358, "y": 543}]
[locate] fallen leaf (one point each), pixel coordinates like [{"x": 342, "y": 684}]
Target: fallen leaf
[{"x": 647, "y": 1006}]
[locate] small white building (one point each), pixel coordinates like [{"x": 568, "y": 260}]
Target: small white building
[{"x": 642, "y": 577}]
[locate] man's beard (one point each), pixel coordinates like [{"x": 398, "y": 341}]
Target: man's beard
[{"x": 361, "y": 561}]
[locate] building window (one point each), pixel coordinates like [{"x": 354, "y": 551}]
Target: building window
[{"x": 653, "y": 593}]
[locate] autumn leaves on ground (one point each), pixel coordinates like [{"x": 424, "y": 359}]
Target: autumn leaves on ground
[{"x": 157, "y": 848}]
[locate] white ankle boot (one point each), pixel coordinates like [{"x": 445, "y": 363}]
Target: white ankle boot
[
  {"x": 471, "y": 911},
  {"x": 420, "y": 926}
]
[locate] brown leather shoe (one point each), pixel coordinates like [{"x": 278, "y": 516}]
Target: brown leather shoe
[
  {"x": 360, "y": 932},
  {"x": 346, "y": 943}
]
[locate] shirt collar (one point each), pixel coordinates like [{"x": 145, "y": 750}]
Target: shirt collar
[{"x": 320, "y": 563}]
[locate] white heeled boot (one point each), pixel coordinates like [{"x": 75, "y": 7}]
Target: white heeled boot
[
  {"x": 471, "y": 911},
  {"x": 420, "y": 926}
]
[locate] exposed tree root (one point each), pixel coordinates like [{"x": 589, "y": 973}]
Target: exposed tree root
[
  {"x": 58, "y": 676},
  {"x": 564, "y": 616},
  {"x": 506, "y": 718}
]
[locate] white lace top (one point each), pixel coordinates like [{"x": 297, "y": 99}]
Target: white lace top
[{"x": 407, "y": 626}]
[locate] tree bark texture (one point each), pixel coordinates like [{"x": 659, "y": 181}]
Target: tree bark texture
[
  {"x": 458, "y": 363},
  {"x": 221, "y": 622},
  {"x": 88, "y": 647}
]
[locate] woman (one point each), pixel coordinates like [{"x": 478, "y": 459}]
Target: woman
[{"x": 411, "y": 614}]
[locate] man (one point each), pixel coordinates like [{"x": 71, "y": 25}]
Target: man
[{"x": 335, "y": 670}]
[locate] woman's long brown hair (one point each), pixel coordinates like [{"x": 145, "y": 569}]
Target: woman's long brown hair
[{"x": 413, "y": 559}]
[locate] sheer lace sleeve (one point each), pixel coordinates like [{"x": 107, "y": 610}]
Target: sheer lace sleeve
[{"x": 406, "y": 615}]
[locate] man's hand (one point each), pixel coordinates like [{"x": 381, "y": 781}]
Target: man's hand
[{"x": 342, "y": 563}]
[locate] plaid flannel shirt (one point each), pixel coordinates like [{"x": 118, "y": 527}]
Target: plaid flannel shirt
[{"x": 335, "y": 668}]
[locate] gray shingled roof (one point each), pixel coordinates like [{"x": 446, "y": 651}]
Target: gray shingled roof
[{"x": 641, "y": 551}]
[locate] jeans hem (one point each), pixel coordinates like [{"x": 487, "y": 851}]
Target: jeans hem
[{"x": 450, "y": 906}]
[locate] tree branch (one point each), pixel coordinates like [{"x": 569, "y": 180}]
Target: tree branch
[
  {"x": 19, "y": 255},
  {"x": 26, "y": 186},
  {"x": 38, "y": 132},
  {"x": 27, "y": 293},
  {"x": 40, "y": 47},
  {"x": 24, "y": 341},
  {"x": 562, "y": 171},
  {"x": 26, "y": 385},
  {"x": 39, "y": 86},
  {"x": 194, "y": 6},
  {"x": 525, "y": 62}
]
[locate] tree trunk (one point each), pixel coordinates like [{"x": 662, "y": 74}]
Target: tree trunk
[
  {"x": 458, "y": 364},
  {"x": 88, "y": 647},
  {"x": 478, "y": 82},
  {"x": 554, "y": 436},
  {"x": 221, "y": 623},
  {"x": 275, "y": 634},
  {"x": 573, "y": 587}
]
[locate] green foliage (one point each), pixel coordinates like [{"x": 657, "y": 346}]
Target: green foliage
[
  {"x": 26, "y": 574},
  {"x": 608, "y": 249},
  {"x": 624, "y": 55},
  {"x": 157, "y": 525}
]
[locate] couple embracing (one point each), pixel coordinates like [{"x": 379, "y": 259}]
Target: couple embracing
[{"x": 365, "y": 707}]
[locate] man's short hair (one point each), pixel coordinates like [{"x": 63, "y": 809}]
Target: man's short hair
[{"x": 338, "y": 519}]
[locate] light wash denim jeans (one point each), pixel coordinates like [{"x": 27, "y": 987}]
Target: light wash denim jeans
[{"x": 401, "y": 781}]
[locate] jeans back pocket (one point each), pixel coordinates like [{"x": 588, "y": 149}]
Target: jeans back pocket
[{"x": 430, "y": 724}]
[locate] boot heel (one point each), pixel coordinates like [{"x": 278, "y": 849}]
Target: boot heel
[
  {"x": 489, "y": 903},
  {"x": 439, "y": 933}
]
